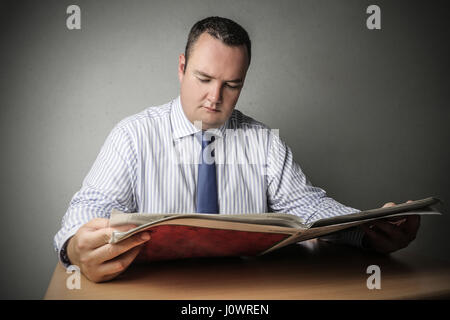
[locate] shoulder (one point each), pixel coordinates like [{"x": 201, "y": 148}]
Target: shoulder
[
  {"x": 258, "y": 130},
  {"x": 239, "y": 120},
  {"x": 149, "y": 116}
]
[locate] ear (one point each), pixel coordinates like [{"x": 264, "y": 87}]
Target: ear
[{"x": 181, "y": 66}]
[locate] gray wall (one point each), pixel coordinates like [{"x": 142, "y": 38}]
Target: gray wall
[{"x": 365, "y": 112}]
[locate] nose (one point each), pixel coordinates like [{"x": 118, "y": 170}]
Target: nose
[{"x": 215, "y": 94}]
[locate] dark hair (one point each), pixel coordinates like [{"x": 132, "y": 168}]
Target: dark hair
[{"x": 226, "y": 30}]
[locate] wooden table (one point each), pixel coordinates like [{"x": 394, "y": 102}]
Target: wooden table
[{"x": 310, "y": 270}]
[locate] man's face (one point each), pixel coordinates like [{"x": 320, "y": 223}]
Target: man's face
[{"x": 212, "y": 81}]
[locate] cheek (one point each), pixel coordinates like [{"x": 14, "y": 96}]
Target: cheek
[
  {"x": 231, "y": 97},
  {"x": 191, "y": 89},
  {"x": 197, "y": 91}
]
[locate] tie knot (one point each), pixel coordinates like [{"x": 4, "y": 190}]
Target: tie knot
[{"x": 207, "y": 139}]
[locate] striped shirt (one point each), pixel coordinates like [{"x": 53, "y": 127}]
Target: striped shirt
[{"x": 149, "y": 164}]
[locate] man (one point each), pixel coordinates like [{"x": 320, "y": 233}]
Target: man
[{"x": 146, "y": 164}]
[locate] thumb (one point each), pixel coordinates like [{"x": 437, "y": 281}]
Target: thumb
[{"x": 388, "y": 204}]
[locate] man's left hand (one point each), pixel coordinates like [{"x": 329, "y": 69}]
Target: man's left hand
[{"x": 390, "y": 234}]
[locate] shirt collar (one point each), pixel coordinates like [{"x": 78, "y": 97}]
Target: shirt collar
[{"x": 182, "y": 127}]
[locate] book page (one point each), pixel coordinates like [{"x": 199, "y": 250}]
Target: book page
[
  {"x": 425, "y": 205},
  {"x": 315, "y": 231},
  {"x": 144, "y": 219},
  {"x": 187, "y": 220}
]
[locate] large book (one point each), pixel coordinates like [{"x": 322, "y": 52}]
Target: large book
[{"x": 177, "y": 236}]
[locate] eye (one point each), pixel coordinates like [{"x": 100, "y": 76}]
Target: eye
[
  {"x": 233, "y": 87},
  {"x": 203, "y": 80}
]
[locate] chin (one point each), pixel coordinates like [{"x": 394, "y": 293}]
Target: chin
[{"x": 211, "y": 124}]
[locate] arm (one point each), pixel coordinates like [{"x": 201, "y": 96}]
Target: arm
[
  {"x": 109, "y": 184},
  {"x": 291, "y": 192}
]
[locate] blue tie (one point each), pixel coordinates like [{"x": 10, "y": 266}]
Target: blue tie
[{"x": 206, "y": 182}]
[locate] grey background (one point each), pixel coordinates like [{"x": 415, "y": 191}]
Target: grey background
[{"x": 365, "y": 112}]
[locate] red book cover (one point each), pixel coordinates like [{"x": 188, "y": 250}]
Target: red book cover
[
  {"x": 169, "y": 242},
  {"x": 178, "y": 236}
]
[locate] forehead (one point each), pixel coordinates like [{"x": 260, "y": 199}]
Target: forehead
[{"x": 212, "y": 56}]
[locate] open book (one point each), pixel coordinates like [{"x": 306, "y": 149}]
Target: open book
[{"x": 176, "y": 236}]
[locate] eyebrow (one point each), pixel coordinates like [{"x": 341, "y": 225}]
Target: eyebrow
[{"x": 203, "y": 74}]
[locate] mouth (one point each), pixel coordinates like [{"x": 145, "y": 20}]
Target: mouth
[{"x": 208, "y": 109}]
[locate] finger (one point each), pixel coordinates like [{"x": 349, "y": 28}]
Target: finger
[
  {"x": 113, "y": 268},
  {"x": 396, "y": 220},
  {"x": 97, "y": 223},
  {"x": 100, "y": 237},
  {"x": 110, "y": 251},
  {"x": 412, "y": 221},
  {"x": 396, "y": 235},
  {"x": 388, "y": 204},
  {"x": 384, "y": 226},
  {"x": 411, "y": 226},
  {"x": 378, "y": 241}
]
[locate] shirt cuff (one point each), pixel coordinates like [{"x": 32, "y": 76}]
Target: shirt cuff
[
  {"x": 62, "y": 254},
  {"x": 352, "y": 236}
]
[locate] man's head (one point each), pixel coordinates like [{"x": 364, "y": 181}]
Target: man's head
[{"x": 212, "y": 70}]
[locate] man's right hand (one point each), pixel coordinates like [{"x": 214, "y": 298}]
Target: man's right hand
[{"x": 98, "y": 259}]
